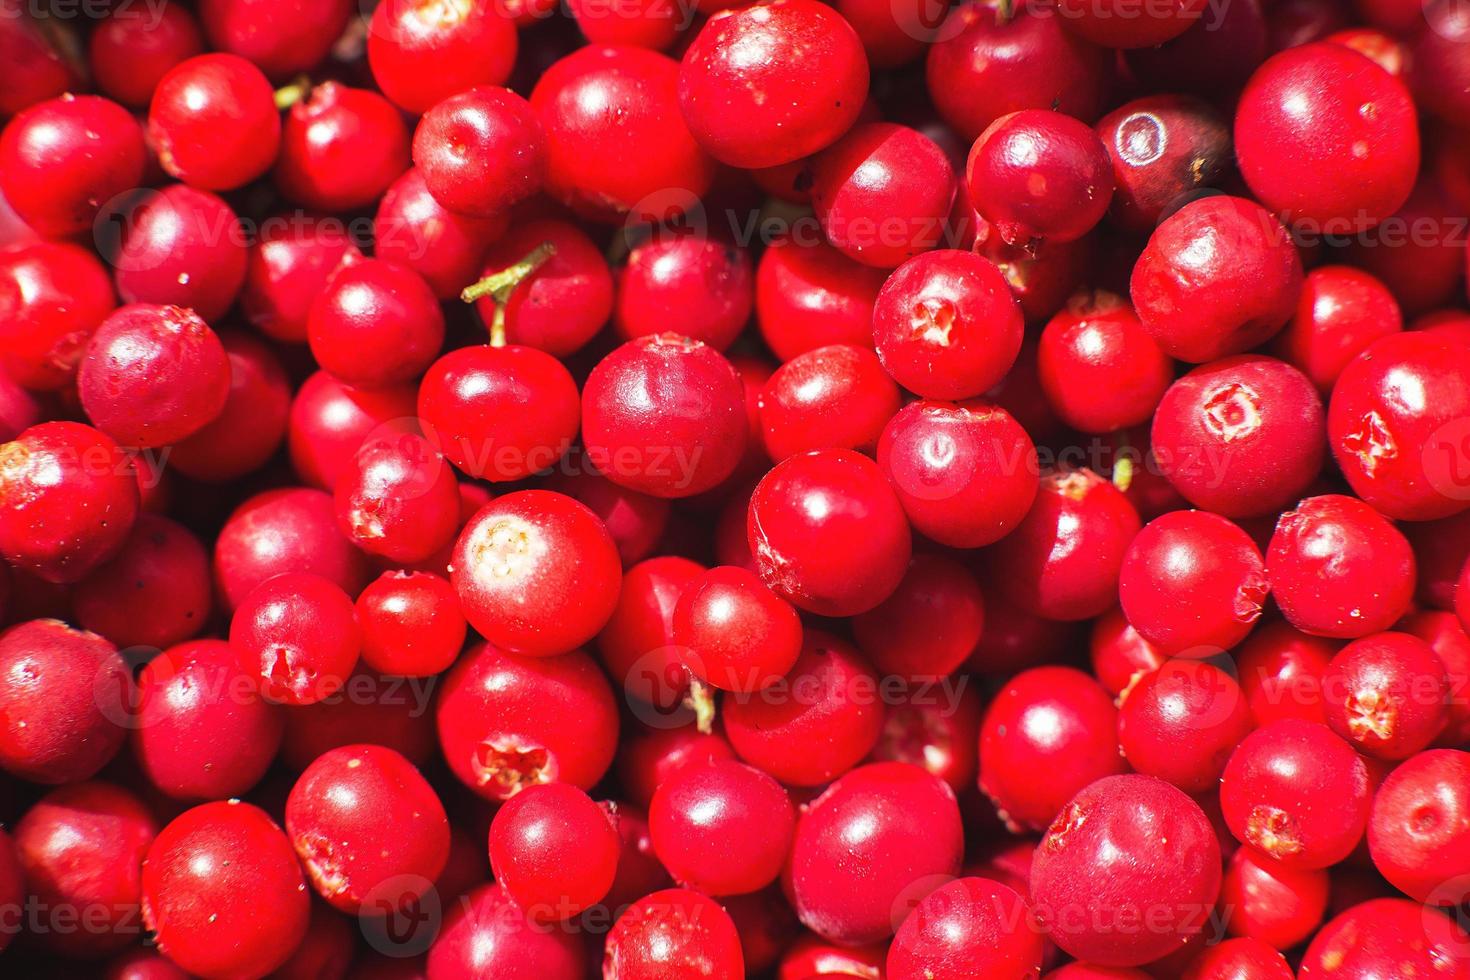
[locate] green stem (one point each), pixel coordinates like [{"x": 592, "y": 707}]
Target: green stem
[{"x": 499, "y": 286}]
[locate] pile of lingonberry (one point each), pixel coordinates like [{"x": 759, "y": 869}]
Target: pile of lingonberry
[{"x": 697, "y": 489}]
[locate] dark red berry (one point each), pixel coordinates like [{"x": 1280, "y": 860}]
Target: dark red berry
[
  {"x": 340, "y": 148},
  {"x": 214, "y": 123},
  {"x": 480, "y": 151}
]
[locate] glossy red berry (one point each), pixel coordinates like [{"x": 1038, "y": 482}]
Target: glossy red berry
[
  {"x": 282, "y": 531},
  {"x": 697, "y": 286},
  {"x": 685, "y": 432},
  {"x": 203, "y": 732},
  {"x": 670, "y": 934},
  {"x": 809, "y": 295},
  {"x": 1192, "y": 583},
  {"x": 836, "y": 715},
  {"x": 1039, "y": 176},
  {"x": 1296, "y": 792},
  {"x": 648, "y": 758},
  {"x": 1126, "y": 24},
  {"x": 486, "y": 931},
  {"x": 155, "y": 592},
  {"x": 340, "y": 148},
  {"x": 129, "y": 55},
  {"x": 772, "y": 83},
  {"x": 422, "y": 53},
  {"x": 363, "y": 820},
  {"x": 946, "y": 325},
  {"x": 1280, "y": 671},
  {"x": 1276, "y": 905},
  {"x": 1127, "y": 848},
  {"x": 722, "y": 828},
  {"x": 297, "y": 636},
  {"x": 872, "y": 845},
  {"x": 81, "y": 847},
  {"x": 250, "y": 428},
  {"x": 969, "y": 927},
  {"x": 637, "y": 645},
  {"x": 1385, "y": 935},
  {"x": 882, "y": 193},
  {"x": 375, "y": 325},
  {"x": 1054, "y": 720},
  {"x": 411, "y": 624},
  {"x": 179, "y": 247},
  {"x": 966, "y": 473},
  {"x": 1062, "y": 561},
  {"x": 836, "y": 397},
  {"x": 52, "y": 297},
  {"x": 282, "y": 38},
  {"x": 560, "y": 304},
  {"x": 1327, "y": 138},
  {"x": 1342, "y": 310},
  {"x": 68, "y": 498},
  {"x": 480, "y": 151},
  {"x": 733, "y": 632},
  {"x": 1100, "y": 370},
  {"x": 1119, "y": 656},
  {"x": 1165, "y": 149},
  {"x": 400, "y": 499},
  {"x": 1241, "y": 436},
  {"x": 1181, "y": 722},
  {"x": 1417, "y": 831},
  {"x": 1219, "y": 276},
  {"x": 1235, "y": 958},
  {"x": 1387, "y": 694},
  {"x": 214, "y": 123},
  {"x": 63, "y": 160},
  {"x": 943, "y": 595},
  {"x": 412, "y": 229},
  {"x": 222, "y": 892},
  {"x": 1339, "y": 568},
  {"x": 530, "y": 838},
  {"x": 509, "y": 722},
  {"x": 153, "y": 375},
  {"x": 286, "y": 269},
  {"x": 536, "y": 573}
]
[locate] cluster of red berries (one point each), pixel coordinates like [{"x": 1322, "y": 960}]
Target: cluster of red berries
[{"x": 848, "y": 489}]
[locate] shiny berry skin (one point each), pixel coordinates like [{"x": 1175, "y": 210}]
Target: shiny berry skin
[
  {"x": 813, "y": 957},
  {"x": 202, "y": 731},
  {"x": 1446, "y": 637},
  {"x": 1192, "y": 583},
  {"x": 179, "y": 247},
  {"x": 869, "y": 847},
  {"x": 400, "y": 498},
  {"x": 508, "y": 722},
  {"x": 1038, "y": 175},
  {"x": 1405, "y": 455},
  {"x": 837, "y": 717},
  {"x": 1128, "y": 848},
  {"x": 1119, "y": 657},
  {"x": 1326, "y": 111},
  {"x": 287, "y": 268},
  {"x": 722, "y": 828},
  {"x": 480, "y": 151},
  {"x": 1237, "y": 959},
  {"x": 672, "y": 934},
  {"x": 946, "y": 325},
  {"x": 68, "y": 498},
  {"x": 340, "y": 148},
  {"x": 1387, "y": 694},
  {"x": 1100, "y": 370},
  {"x": 1126, "y": 24},
  {"x": 282, "y": 38},
  {"x": 222, "y": 891},
  {"x": 1054, "y": 720},
  {"x": 1164, "y": 149},
  {"x": 1280, "y": 672},
  {"x": 486, "y": 932},
  {"x": 773, "y": 82},
  {"x": 52, "y": 297},
  {"x": 615, "y": 144},
  {"x": 1419, "y": 828},
  {"x": 966, "y": 473},
  {"x": 700, "y": 287},
  {"x": 1339, "y": 568},
  {"x": 1296, "y": 792},
  {"x": 64, "y": 159},
  {"x": 530, "y": 838},
  {"x": 280, "y": 531},
  {"x": 1386, "y": 937},
  {"x": 1063, "y": 560},
  {"x": 297, "y": 636},
  {"x": 882, "y": 193},
  {"x": 835, "y": 397},
  {"x": 412, "y": 229},
  {"x": 214, "y": 123},
  {"x": 810, "y": 295},
  {"x": 129, "y": 55},
  {"x": 1275, "y": 905},
  {"x": 684, "y": 430},
  {"x": 153, "y": 375},
  {"x": 155, "y": 592},
  {"x": 499, "y": 413},
  {"x": 943, "y": 595},
  {"x": 1241, "y": 436},
  {"x": 637, "y": 645},
  {"x": 1219, "y": 276},
  {"x": 649, "y": 757},
  {"x": 1181, "y": 722},
  {"x": 375, "y": 325},
  {"x": 971, "y": 927},
  {"x": 990, "y": 60},
  {"x": 250, "y": 428},
  {"x": 733, "y": 632},
  {"x": 411, "y": 624},
  {"x": 536, "y": 572},
  {"x": 361, "y": 818},
  {"x": 1342, "y": 310},
  {"x": 66, "y": 702},
  {"x": 561, "y": 305},
  {"x": 828, "y": 533},
  {"x": 421, "y": 53},
  {"x": 80, "y": 848}
]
